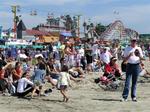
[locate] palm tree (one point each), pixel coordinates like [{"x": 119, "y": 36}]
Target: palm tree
[
  {"x": 91, "y": 30},
  {"x": 85, "y": 27},
  {"x": 99, "y": 29}
]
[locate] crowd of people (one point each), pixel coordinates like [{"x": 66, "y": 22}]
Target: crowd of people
[{"x": 25, "y": 70}]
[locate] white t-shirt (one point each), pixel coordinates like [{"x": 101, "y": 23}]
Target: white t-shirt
[
  {"x": 55, "y": 49},
  {"x": 64, "y": 79},
  {"x": 133, "y": 59},
  {"x": 22, "y": 84},
  {"x": 114, "y": 52},
  {"x": 95, "y": 49},
  {"x": 81, "y": 51},
  {"x": 105, "y": 57}
]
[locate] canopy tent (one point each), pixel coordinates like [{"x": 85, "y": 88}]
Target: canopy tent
[
  {"x": 49, "y": 39},
  {"x": 17, "y": 42},
  {"x": 37, "y": 46},
  {"x": 23, "y": 56},
  {"x": 66, "y": 34},
  {"x": 36, "y": 32}
]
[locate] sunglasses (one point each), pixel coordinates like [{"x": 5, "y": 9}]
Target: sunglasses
[{"x": 133, "y": 41}]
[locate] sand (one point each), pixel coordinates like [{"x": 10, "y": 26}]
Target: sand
[{"x": 84, "y": 96}]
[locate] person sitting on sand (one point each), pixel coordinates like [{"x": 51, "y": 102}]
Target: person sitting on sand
[
  {"x": 3, "y": 79},
  {"x": 96, "y": 65},
  {"x": 3, "y": 82},
  {"x": 8, "y": 77},
  {"x": 25, "y": 86},
  {"x": 144, "y": 72},
  {"x": 112, "y": 69},
  {"x": 76, "y": 72},
  {"x": 53, "y": 71}
]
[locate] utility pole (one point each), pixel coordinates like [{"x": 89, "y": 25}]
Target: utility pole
[
  {"x": 78, "y": 25},
  {"x": 15, "y": 9}
]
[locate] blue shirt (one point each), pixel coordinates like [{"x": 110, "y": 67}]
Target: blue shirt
[{"x": 39, "y": 75}]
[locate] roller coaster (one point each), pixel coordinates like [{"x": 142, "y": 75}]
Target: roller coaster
[{"x": 117, "y": 31}]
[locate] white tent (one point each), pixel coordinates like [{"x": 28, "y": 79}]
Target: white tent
[{"x": 18, "y": 42}]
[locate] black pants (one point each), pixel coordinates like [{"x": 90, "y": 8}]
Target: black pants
[
  {"x": 89, "y": 59},
  {"x": 3, "y": 85},
  {"x": 83, "y": 63},
  {"x": 27, "y": 90}
]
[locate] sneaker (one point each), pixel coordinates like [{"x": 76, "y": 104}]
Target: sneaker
[
  {"x": 124, "y": 100},
  {"x": 134, "y": 99},
  {"x": 46, "y": 94}
]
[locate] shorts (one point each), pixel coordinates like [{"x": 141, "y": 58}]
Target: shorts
[
  {"x": 63, "y": 87},
  {"x": 37, "y": 83}
]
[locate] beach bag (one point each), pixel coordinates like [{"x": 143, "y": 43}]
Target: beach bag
[{"x": 97, "y": 80}]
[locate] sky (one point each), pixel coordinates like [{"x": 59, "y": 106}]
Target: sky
[{"x": 134, "y": 14}]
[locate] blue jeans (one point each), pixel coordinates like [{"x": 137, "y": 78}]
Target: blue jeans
[{"x": 133, "y": 71}]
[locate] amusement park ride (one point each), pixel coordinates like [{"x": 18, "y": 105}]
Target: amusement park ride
[{"x": 115, "y": 31}]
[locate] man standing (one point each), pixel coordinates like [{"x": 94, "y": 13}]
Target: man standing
[{"x": 133, "y": 55}]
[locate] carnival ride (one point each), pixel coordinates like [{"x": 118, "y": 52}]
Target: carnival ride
[{"x": 117, "y": 31}]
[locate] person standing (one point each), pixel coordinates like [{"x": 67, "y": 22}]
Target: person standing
[
  {"x": 133, "y": 54},
  {"x": 64, "y": 82}
]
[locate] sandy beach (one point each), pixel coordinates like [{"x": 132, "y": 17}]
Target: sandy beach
[{"x": 85, "y": 96}]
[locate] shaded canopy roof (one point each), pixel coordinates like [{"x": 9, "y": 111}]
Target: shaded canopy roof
[
  {"x": 36, "y": 32},
  {"x": 66, "y": 34},
  {"x": 49, "y": 39}
]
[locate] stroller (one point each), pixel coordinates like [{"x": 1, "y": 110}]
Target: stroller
[{"x": 110, "y": 83}]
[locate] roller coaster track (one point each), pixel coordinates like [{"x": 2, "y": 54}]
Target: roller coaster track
[{"x": 117, "y": 30}]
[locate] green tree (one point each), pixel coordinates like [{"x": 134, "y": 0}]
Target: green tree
[{"x": 99, "y": 28}]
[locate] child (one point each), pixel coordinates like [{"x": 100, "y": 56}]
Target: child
[
  {"x": 144, "y": 72},
  {"x": 25, "y": 66},
  {"x": 64, "y": 82},
  {"x": 39, "y": 76}
]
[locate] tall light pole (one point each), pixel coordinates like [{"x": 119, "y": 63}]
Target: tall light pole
[
  {"x": 15, "y": 9},
  {"x": 78, "y": 16}
]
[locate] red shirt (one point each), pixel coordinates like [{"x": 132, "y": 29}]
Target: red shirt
[
  {"x": 2, "y": 72},
  {"x": 111, "y": 68}
]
